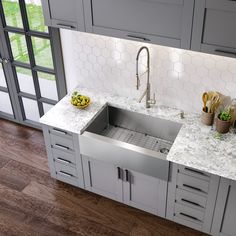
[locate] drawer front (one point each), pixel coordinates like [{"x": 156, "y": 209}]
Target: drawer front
[
  {"x": 193, "y": 172},
  {"x": 192, "y": 184},
  {"x": 61, "y": 143},
  {"x": 60, "y": 132},
  {"x": 65, "y": 170},
  {"x": 189, "y": 214},
  {"x": 67, "y": 179},
  {"x": 63, "y": 157},
  {"x": 190, "y": 199}
]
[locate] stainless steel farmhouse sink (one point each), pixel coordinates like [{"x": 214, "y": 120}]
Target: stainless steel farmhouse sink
[{"x": 130, "y": 140}]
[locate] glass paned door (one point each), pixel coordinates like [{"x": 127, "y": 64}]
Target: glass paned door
[
  {"x": 30, "y": 46},
  {"x": 5, "y": 101}
]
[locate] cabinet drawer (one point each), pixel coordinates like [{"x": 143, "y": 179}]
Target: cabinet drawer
[
  {"x": 190, "y": 199},
  {"x": 67, "y": 179},
  {"x": 65, "y": 170},
  {"x": 60, "y": 132},
  {"x": 60, "y": 156},
  {"x": 189, "y": 214},
  {"x": 193, "y": 172},
  {"x": 61, "y": 143},
  {"x": 192, "y": 184}
]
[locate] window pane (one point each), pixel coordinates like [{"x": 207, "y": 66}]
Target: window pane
[
  {"x": 47, "y": 107},
  {"x": 48, "y": 86},
  {"x": 5, "y": 103},
  {"x": 35, "y": 16},
  {"x": 2, "y": 77},
  {"x": 42, "y": 52},
  {"x": 31, "y": 109},
  {"x": 25, "y": 80},
  {"x": 12, "y": 13},
  {"x": 19, "y": 48}
]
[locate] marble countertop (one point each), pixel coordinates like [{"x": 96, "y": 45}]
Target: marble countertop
[{"x": 196, "y": 145}]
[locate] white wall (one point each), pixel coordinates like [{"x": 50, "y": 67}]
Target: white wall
[{"x": 178, "y": 77}]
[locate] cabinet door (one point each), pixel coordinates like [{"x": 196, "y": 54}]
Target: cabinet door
[
  {"x": 214, "y": 27},
  {"x": 103, "y": 178},
  {"x": 165, "y": 22},
  {"x": 67, "y": 14},
  {"x": 224, "y": 222},
  {"x": 145, "y": 192}
]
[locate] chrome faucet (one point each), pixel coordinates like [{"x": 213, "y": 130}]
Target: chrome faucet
[{"x": 147, "y": 91}]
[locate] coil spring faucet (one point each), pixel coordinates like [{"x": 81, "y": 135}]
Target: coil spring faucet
[{"x": 147, "y": 91}]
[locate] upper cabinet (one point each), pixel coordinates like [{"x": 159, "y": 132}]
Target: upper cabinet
[
  {"x": 67, "y": 14},
  {"x": 225, "y": 210},
  {"x": 214, "y": 27},
  {"x": 164, "y": 22}
]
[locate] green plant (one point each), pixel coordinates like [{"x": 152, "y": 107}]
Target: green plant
[{"x": 225, "y": 116}]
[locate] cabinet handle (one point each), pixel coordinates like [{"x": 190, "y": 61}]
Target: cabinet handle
[
  {"x": 59, "y": 131},
  {"x": 225, "y": 51},
  {"x": 63, "y": 160},
  {"x": 195, "y": 171},
  {"x": 127, "y": 175},
  {"x": 193, "y": 203},
  {"x": 66, "y": 26},
  {"x": 90, "y": 174},
  {"x": 119, "y": 173},
  {"x": 61, "y": 147},
  {"x": 138, "y": 37},
  {"x": 194, "y": 188},
  {"x": 65, "y": 173},
  {"x": 191, "y": 217}
]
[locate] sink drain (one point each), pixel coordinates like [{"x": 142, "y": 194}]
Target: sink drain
[{"x": 164, "y": 150}]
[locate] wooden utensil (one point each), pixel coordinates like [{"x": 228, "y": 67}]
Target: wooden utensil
[{"x": 204, "y": 99}]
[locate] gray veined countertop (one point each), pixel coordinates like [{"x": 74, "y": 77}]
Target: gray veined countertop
[{"x": 196, "y": 145}]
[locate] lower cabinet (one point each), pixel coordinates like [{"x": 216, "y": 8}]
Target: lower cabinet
[
  {"x": 192, "y": 197},
  {"x": 224, "y": 222},
  {"x": 64, "y": 155},
  {"x": 127, "y": 186}
]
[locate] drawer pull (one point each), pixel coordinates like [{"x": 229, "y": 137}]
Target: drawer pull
[
  {"x": 195, "y": 171},
  {"x": 63, "y": 160},
  {"x": 193, "y": 203},
  {"x": 59, "y": 131},
  {"x": 138, "y": 37},
  {"x": 66, "y": 26},
  {"x": 194, "y": 188},
  {"x": 119, "y": 173},
  {"x": 61, "y": 147},
  {"x": 66, "y": 174},
  {"x": 191, "y": 217},
  {"x": 127, "y": 175},
  {"x": 225, "y": 52}
]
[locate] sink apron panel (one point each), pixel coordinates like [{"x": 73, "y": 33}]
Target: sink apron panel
[{"x": 124, "y": 155}]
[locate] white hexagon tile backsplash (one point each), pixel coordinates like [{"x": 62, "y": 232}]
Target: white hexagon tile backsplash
[{"x": 178, "y": 77}]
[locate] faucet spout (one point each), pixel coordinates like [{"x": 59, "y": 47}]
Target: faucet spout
[{"x": 147, "y": 91}]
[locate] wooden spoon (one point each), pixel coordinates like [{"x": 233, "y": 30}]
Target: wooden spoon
[{"x": 204, "y": 99}]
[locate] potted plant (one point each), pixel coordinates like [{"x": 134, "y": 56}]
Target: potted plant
[{"x": 223, "y": 122}]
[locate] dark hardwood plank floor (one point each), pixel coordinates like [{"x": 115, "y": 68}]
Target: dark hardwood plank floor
[{"x": 32, "y": 203}]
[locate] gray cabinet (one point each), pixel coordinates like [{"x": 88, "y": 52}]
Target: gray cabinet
[
  {"x": 224, "y": 223},
  {"x": 64, "y": 155},
  {"x": 145, "y": 192},
  {"x": 127, "y": 186},
  {"x": 214, "y": 27},
  {"x": 102, "y": 178},
  {"x": 67, "y": 14},
  {"x": 191, "y": 197},
  {"x": 165, "y": 22}
]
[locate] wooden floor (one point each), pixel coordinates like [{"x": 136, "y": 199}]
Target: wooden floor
[{"x": 32, "y": 203}]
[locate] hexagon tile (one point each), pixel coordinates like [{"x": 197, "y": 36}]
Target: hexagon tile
[{"x": 178, "y": 77}]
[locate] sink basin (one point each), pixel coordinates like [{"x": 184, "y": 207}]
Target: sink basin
[{"x": 130, "y": 140}]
